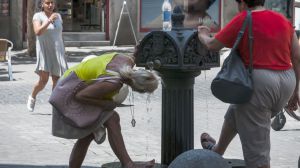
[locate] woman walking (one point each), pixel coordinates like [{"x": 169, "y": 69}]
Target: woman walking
[
  {"x": 276, "y": 74},
  {"x": 50, "y": 49}
]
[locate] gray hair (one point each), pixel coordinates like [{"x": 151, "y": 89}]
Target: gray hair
[{"x": 141, "y": 80}]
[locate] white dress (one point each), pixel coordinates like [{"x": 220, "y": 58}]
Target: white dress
[{"x": 50, "y": 48}]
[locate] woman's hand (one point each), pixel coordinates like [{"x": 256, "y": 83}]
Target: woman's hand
[
  {"x": 210, "y": 42},
  {"x": 294, "y": 101},
  {"x": 53, "y": 17},
  {"x": 203, "y": 30},
  {"x": 40, "y": 28}
]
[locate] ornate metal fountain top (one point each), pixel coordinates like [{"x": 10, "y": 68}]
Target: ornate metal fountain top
[
  {"x": 179, "y": 49},
  {"x": 177, "y": 18}
]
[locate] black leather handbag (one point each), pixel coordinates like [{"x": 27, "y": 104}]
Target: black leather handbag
[{"x": 233, "y": 84}]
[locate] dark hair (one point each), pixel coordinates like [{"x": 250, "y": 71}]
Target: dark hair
[{"x": 253, "y": 3}]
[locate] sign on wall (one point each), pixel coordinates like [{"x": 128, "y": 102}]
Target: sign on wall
[
  {"x": 197, "y": 12},
  {"x": 4, "y": 8}
]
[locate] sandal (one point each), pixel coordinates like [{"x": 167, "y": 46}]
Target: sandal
[{"x": 207, "y": 142}]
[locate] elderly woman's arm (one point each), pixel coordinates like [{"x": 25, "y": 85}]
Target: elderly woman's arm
[
  {"x": 295, "y": 57},
  {"x": 94, "y": 94},
  {"x": 210, "y": 42}
]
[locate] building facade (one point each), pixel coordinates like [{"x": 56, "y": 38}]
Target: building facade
[
  {"x": 11, "y": 21},
  {"x": 98, "y": 19}
]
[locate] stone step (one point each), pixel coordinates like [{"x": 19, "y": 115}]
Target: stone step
[
  {"x": 84, "y": 36},
  {"x": 86, "y": 43},
  {"x": 81, "y": 39}
]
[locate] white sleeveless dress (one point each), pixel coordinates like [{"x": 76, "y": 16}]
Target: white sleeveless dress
[{"x": 50, "y": 47}]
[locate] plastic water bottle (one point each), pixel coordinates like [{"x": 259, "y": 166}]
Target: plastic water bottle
[{"x": 166, "y": 15}]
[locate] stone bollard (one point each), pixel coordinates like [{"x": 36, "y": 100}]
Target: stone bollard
[{"x": 199, "y": 158}]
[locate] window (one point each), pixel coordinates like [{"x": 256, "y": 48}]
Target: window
[
  {"x": 151, "y": 13},
  {"x": 4, "y": 8},
  {"x": 284, "y": 7}
]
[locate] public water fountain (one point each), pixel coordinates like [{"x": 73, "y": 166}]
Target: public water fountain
[{"x": 179, "y": 57}]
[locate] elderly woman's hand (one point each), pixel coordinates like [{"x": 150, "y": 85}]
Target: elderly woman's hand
[{"x": 110, "y": 105}]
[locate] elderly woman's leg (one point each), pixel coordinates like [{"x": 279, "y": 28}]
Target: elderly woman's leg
[
  {"x": 117, "y": 143},
  {"x": 79, "y": 151}
]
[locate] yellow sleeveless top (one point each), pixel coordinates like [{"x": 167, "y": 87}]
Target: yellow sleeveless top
[{"x": 92, "y": 69}]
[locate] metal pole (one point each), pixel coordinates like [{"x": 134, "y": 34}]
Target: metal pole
[
  {"x": 118, "y": 26},
  {"x": 131, "y": 25}
]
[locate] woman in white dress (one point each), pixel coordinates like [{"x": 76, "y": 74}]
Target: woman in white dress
[{"x": 50, "y": 50}]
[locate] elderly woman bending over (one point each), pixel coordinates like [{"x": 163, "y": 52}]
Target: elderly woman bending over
[{"x": 100, "y": 93}]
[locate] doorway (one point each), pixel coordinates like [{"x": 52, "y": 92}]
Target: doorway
[{"x": 84, "y": 15}]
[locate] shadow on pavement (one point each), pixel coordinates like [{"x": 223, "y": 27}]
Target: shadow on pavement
[
  {"x": 22, "y": 58},
  {"x": 4, "y": 72},
  {"x": 96, "y": 52},
  {"x": 42, "y": 114},
  {"x": 72, "y": 56},
  {"x": 4, "y": 75},
  {"x": 4, "y": 78},
  {"x": 290, "y": 130},
  {"x": 37, "y": 166},
  {"x": 118, "y": 165}
]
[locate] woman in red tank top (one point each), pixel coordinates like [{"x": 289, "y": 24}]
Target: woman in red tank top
[{"x": 276, "y": 74}]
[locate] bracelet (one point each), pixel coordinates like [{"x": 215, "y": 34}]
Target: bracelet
[{"x": 51, "y": 21}]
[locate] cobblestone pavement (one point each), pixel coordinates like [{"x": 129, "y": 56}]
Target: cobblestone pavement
[{"x": 26, "y": 139}]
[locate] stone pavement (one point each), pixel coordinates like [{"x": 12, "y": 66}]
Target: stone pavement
[{"x": 26, "y": 140}]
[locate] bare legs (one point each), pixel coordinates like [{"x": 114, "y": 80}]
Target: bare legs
[
  {"x": 115, "y": 139},
  {"x": 79, "y": 151},
  {"x": 227, "y": 134},
  {"x": 54, "y": 81},
  {"x": 116, "y": 142},
  {"x": 40, "y": 85},
  {"x": 44, "y": 76}
]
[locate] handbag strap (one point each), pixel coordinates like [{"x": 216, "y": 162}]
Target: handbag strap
[
  {"x": 247, "y": 22},
  {"x": 242, "y": 31},
  {"x": 250, "y": 42}
]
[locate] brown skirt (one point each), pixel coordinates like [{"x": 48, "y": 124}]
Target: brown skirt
[{"x": 63, "y": 130}]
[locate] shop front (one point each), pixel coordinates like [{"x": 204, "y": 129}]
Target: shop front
[
  {"x": 83, "y": 15},
  {"x": 85, "y": 22}
]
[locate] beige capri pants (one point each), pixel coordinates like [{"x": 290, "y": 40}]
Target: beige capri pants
[{"x": 252, "y": 121}]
